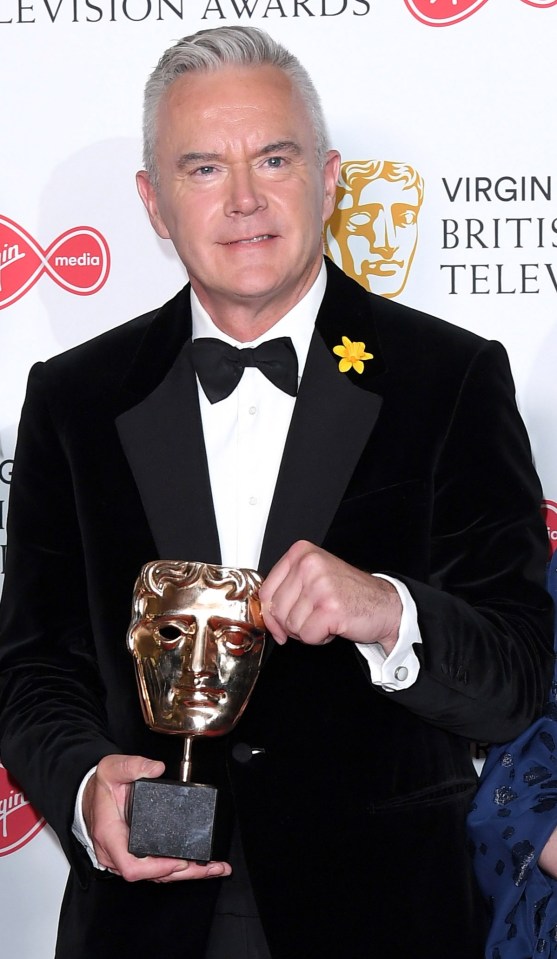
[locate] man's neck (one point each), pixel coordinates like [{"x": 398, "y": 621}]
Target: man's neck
[{"x": 245, "y": 319}]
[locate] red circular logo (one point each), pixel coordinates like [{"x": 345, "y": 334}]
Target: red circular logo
[
  {"x": 549, "y": 512},
  {"x": 18, "y": 820},
  {"x": 445, "y": 12}
]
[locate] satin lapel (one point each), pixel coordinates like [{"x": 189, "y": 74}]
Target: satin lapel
[
  {"x": 162, "y": 438},
  {"x": 332, "y": 421}
]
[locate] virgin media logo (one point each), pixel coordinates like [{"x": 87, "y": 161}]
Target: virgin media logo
[
  {"x": 78, "y": 261},
  {"x": 443, "y": 13},
  {"x": 549, "y": 512},
  {"x": 18, "y": 820}
]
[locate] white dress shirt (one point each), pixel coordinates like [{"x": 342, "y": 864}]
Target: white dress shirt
[{"x": 245, "y": 435}]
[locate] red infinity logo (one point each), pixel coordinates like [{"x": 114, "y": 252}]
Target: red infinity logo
[
  {"x": 443, "y": 13},
  {"x": 549, "y": 512},
  {"x": 19, "y": 822},
  {"x": 78, "y": 261}
]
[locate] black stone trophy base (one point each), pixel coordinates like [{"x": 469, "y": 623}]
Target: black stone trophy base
[{"x": 175, "y": 819}]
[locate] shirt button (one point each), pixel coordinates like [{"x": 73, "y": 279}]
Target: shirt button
[
  {"x": 253, "y": 501},
  {"x": 252, "y": 410},
  {"x": 401, "y": 673}
]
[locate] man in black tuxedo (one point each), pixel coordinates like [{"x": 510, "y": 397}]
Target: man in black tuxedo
[{"x": 391, "y": 505}]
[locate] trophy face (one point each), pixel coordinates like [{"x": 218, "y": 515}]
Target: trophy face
[{"x": 197, "y": 638}]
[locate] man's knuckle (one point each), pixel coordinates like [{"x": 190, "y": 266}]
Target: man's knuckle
[{"x": 310, "y": 564}]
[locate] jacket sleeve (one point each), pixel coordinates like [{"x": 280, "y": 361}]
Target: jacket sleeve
[
  {"x": 52, "y": 717},
  {"x": 484, "y": 614}
]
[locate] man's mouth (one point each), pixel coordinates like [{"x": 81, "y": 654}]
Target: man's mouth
[{"x": 251, "y": 239}]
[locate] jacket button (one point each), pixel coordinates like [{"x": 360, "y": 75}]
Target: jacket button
[
  {"x": 242, "y": 753},
  {"x": 401, "y": 673}
]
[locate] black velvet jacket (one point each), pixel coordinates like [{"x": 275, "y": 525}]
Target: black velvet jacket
[{"x": 352, "y": 815}]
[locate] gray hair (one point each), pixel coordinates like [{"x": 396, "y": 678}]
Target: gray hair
[{"x": 209, "y": 50}]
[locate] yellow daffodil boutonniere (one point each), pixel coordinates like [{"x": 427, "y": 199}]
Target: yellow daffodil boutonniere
[{"x": 353, "y": 355}]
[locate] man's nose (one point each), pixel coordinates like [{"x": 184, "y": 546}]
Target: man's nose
[
  {"x": 384, "y": 233},
  {"x": 244, "y": 194}
]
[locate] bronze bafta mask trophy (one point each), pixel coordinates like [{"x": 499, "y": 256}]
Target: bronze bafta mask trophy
[{"x": 197, "y": 638}]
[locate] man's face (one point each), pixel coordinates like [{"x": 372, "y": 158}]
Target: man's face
[
  {"x": 379, "y": 234},
  {"x": 240, "y": 194},
  {"x": 197, "y": 656}
]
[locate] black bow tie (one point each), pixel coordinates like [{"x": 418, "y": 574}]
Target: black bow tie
[{"x": 220, "y": 366}]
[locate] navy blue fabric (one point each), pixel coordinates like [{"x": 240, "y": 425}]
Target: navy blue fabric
[{"x": 514, "y": 814}]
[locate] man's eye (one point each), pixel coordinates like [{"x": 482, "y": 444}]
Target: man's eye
[
  {"x": 275, "y": 162},
  {"x": 204, "y": 170}
]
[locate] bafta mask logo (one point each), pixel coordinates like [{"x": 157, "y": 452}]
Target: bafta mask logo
[
  {"x": 373, "y": 231},
  {"x": 197, "y": 636}
]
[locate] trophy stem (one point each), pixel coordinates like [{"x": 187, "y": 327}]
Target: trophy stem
[{"x": 185, "y": 765}]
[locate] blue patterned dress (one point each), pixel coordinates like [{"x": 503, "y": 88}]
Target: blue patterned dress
[{"x": 514, "y": 814}]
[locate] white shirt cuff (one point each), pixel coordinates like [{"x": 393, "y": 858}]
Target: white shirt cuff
[
  {"x": 400, "y": 668},
  {"x": 79, "y": 827}
]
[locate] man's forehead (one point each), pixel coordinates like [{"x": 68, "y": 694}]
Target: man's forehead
[{"x": 218, "y": 100}]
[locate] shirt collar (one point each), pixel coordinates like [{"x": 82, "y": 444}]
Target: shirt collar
[{"x": 298, "y": 323}]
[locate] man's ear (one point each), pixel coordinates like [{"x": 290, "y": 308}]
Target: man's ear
[
  {"x": 148, "y": 194},
  {"x": 331, "y": 169}
]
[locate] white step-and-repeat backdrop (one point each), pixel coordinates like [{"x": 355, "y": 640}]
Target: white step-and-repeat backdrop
[{"x": 444, "y": 112}]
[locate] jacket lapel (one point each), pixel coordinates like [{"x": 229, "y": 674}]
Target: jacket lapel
[
  {"x": 161, "y": 432},
  {"x": 332, "y": 421},
  {"x": 162, "y": 437}
]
